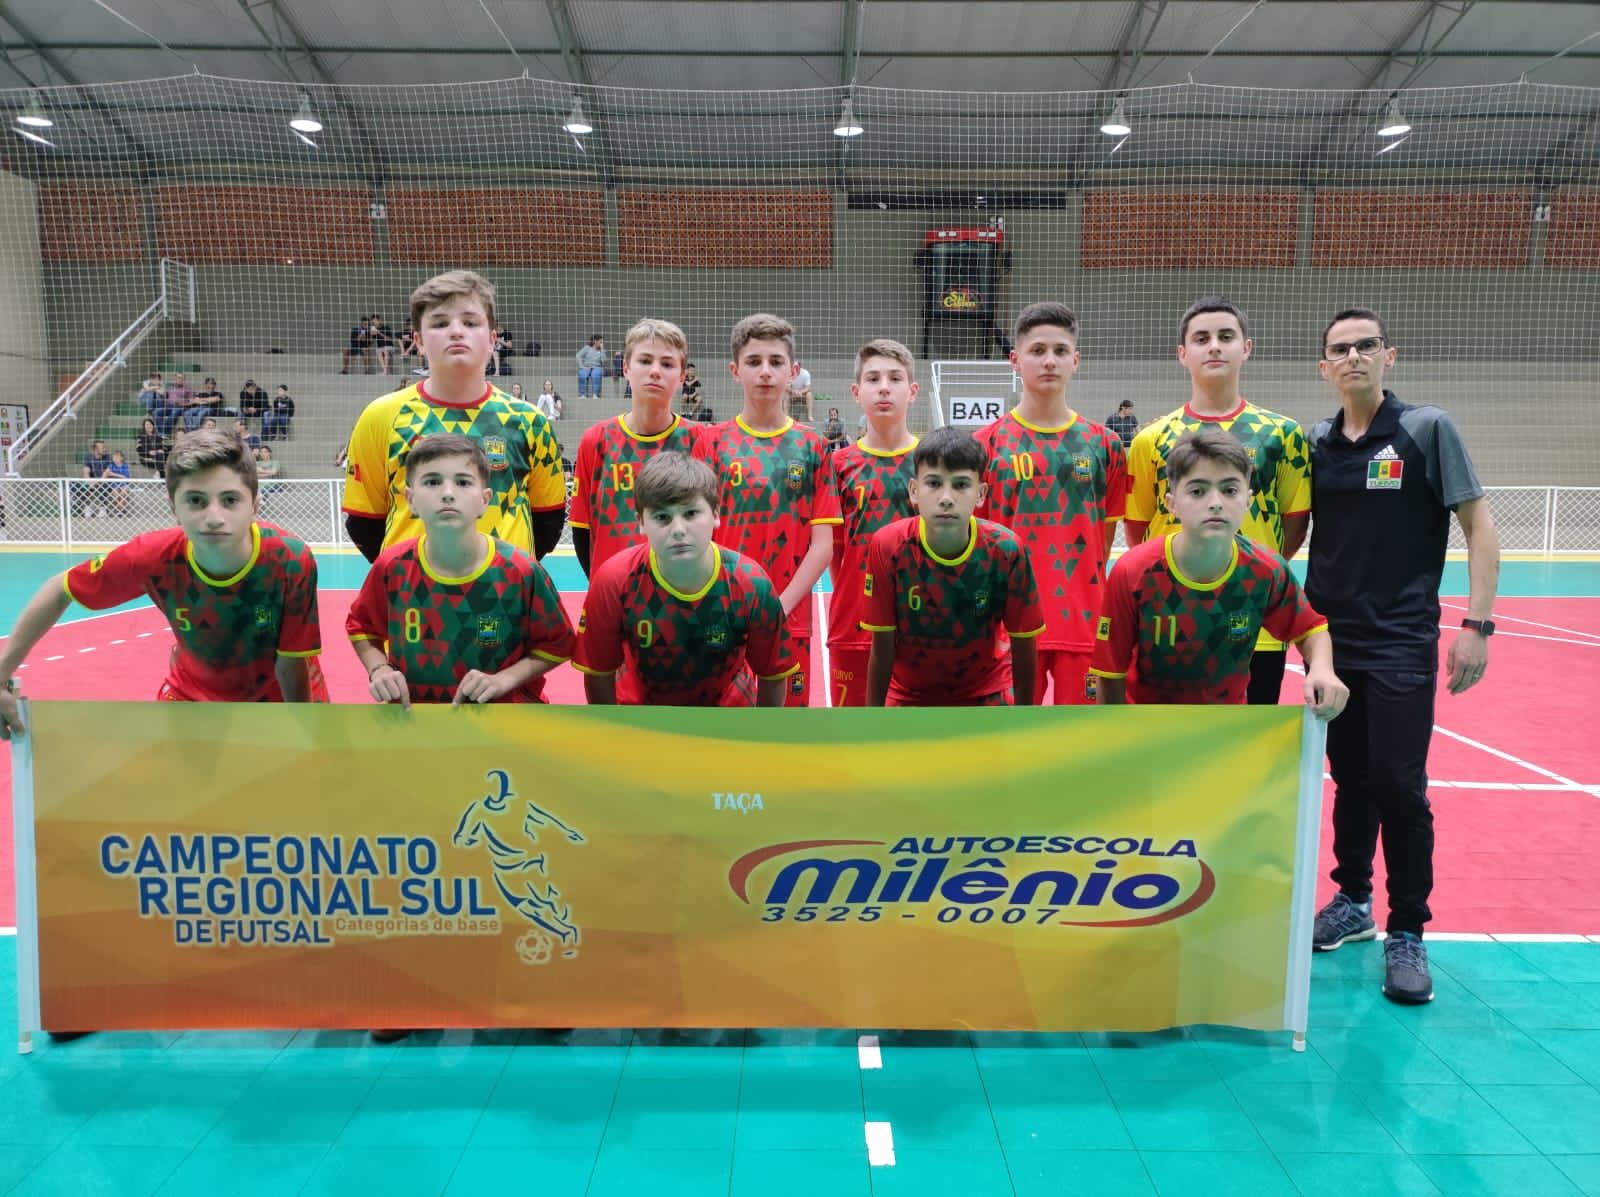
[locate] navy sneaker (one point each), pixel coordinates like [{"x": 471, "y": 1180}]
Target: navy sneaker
[
  {"x": 1406, "y": 978},
  {"x": 1342, "y": 921}
]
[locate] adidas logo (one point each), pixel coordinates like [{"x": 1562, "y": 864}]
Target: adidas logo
[{"x": 1386, "y": 453}]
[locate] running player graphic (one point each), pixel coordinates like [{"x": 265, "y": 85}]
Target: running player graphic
[{"x": 499, "y": 821}]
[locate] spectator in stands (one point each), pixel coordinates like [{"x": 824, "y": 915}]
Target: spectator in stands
[
  {"x": 266, "y": 465},
  {"x": 91, "y": 498},
  {"x": 360, "y": 346},
  {"x": 504, "y": 347},
  {"x": 382, "y": 338},
  {"x": 532, "y": 349},
  {"x": 253, "y": 401},
  {"x": 691, "y": 386},
  {"x": 694, "y": 409},
  {"x": 617, "y": 372},
  {"x": 342, "y": 457},
  {"x": 1123, "y": 422},
  {"x": 834, "y": 430},
  {"x": 206, "y": 403},
  {"x": 549, "y": 402},
  {"x": 800, "y": 397},
  {"x": 241, "y": 429},
  {"x": 410, "y": 347},
  {"x": 152, "y": 395},
  {"x": 118, "y": 492},
  {"x": 151, "y": 448},
  {"x": 208, "y": 424},
  {"x": 591, "y": 367},
  {"x": 275, "y": 424},
  {"x": 180, "y": 396}
]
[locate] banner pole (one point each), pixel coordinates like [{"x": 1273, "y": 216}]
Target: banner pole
[
  {"x": 27, "y": 880},
  {"x": 1302, "y": 901}
]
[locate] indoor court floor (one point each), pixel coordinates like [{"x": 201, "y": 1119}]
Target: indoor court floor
[{"x": 1494, "y": 1088}]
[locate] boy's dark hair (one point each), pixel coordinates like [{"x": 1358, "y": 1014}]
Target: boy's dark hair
[
  {"x": 452, "y": 284},
  {"x": 1048, "y": 312},
  {"x": 1125, "y": 405},
  {"x": 952, "y": 448},
  {"x": 1213, "y": 303},
  {"x": 760, "y": 326},
  {"x": 671, "y": 477},
  {"x": 204, "y": 449},
  {"x": 1207, "y": 443},
  {"x": 446, "y": 444},
  {"x": 1355, "y": 314}
]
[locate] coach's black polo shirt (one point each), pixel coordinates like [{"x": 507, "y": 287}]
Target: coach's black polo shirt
[{"x": 1380, "y": 521}]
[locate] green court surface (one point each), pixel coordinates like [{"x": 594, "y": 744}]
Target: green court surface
[{"x": 1493, "y": 1089}]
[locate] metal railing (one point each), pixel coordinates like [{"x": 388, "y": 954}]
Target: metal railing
[{"x": 175, "y": 302}]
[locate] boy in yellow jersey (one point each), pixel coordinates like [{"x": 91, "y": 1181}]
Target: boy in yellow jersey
[
  {"x": 873, "y": 479},
  {"x": 1213, "y": 345},
  {"x": 611, "y": 453},
  {"x": 454, "y": 317}
]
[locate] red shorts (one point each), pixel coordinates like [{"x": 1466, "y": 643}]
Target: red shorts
[
  {"x": 848, "y": 683},
  {"x": 319, "y": 688},
  {"x": 1074, "y": 685},
  {"x": 1000, "y": 698}
]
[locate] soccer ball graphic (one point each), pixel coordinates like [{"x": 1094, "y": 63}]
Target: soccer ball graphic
[{"x": 535, "y": 947}]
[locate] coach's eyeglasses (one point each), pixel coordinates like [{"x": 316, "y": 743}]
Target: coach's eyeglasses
[{"x": 1366, "y": 347}]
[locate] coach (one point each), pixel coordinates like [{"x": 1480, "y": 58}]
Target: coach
[{"x": 1385, "y": 477}]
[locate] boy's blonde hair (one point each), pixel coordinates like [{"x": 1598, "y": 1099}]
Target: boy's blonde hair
[
  {"x": 671, "y": 477},
  {"x": 204, "y": 448},
  {"x": 762, "y": 326},
  {"x": 889, "y": 348},
  {"x": 452, "y": 284},
  {"x": 654, "y": 330}
]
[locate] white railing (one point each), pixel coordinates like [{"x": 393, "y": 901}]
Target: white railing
[
  {"x": 176, "y": 302},
  {"x": 70, "y": 512}
]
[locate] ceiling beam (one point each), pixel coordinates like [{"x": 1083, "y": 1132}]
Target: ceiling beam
[{"x": 1137, "y": 31}]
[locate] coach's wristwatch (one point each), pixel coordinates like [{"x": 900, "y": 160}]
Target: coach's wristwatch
[{"x": 1484, "y": 627}]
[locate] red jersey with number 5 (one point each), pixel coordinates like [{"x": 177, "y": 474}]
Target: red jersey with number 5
[{"x": 1059, "y": 490}]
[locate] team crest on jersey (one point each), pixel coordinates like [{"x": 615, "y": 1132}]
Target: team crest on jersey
[
  {"x": 1091, "y": 688},
  {"x": 797, "y": 682},
  {"x": 1102, "y": 630},
  {"x": 795, "y": 477},
  {"x": 99, "y": 563},
  {"x": 866, "y": 587},
  {"x": 488, "y": 631},
  {"x": 583, "y": 622},
  {"x": 716, "y": 636},
  {"x": 1384, "y": 471},
  {"x": 494, "y": 448},
  {"x": 1082, "y": 470},
  {"x": 1239, "y": 625},
  {"x": 980, "y": 602},
  {"x": 263, "y": 617}
]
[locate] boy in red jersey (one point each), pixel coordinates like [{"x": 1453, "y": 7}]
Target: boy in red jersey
[
  {"x": 456, "y": 615},
  {"x": 454, "y": 316},
  {"x": 679, "y": 621},
  {"x": 1183, "y": 610},
  {"x": 777, "y": 504},
  {"x": 241, "y": 596},
  {"x": 872, "y": 479},
  {"x": 942, "y": 586},
  {"x": 611, "y": 453},
  {"x": 1059, "y": 482}
]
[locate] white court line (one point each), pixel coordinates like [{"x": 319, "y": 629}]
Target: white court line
[
  {"x": 90, "y": 649},
  {"x": 7, "y": 931},
  {"x": 880, "y": 1145},
  {"x": 57, "y": 657},
  {"x": 1506, "y": 756},
  {"x": 869, "y": 1053},
  {"x": 1540, "y": 937},
  {"x": 1532, "y": 623},
  {"x": 827, "y": 671},
  {"x": 67, "y": 623}
]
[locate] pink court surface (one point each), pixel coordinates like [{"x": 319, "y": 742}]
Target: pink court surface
[{"x": 1514, "y": 771}]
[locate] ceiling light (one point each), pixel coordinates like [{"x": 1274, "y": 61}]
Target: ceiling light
[
  {"x": 33, "y": 115},
  {"x": 1116, "y": 125},
  {"x": 304, "y": 120},
  {"x": 32, "y": 137},
  {"x": 848, "y": 126},
  {"x": 576, "y": 121},
  {"x": 1393, "y": 123}
]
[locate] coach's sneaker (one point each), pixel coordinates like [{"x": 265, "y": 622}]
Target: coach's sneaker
[
  {"x": 1342, "y": 921},
  {"x": 1406, "y": 977}
]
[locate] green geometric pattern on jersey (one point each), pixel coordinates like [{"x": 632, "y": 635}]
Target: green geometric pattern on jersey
[
  {"x": 618, "y": 458},
  {"x": 1274, "y": 443},
  {"x": 482, "y": 624},
  {"x": 515, "y": 435},
  {"x": 874, "y": 492},
  {"x": 769, "y": 494}
]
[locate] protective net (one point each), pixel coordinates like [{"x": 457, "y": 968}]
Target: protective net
[{"x": 183, "y": 225}]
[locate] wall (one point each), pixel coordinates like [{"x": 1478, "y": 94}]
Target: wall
[{"x": 24, "y": 362}]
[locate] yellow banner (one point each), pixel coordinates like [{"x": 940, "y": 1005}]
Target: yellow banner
[{"x": 348, "y": 866}]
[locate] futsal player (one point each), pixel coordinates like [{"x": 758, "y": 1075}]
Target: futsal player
[
  {"x": 457, "y": 615},
  {"x": 943, "y": 587},
  {"x": 1183, "y": 609},
  {"x": 1060, "y": 483},
  {"x": 680, "y": 620},
  {"x": 872, "y": 478},
  {"x": 777, "y": 504},
  {"x": 611, "y": 453},
  {"x": 240, "y": 595},
  {"x": 1385, "y": 476},
  {"x": 1213, "y": 345},
  {"x": 453, "y": 314}
]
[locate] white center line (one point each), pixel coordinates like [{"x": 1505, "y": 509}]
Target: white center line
[
  {"x": 868, "y": 1052},
  {"x": 880, "y": 1145}
]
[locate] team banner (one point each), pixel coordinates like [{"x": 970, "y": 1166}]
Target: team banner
[{"x": 204, "y": 865}]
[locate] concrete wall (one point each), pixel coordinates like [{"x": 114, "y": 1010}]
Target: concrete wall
[{"x": 24, "y": 345}]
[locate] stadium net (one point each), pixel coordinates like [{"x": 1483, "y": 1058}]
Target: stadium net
[{"x": 261, "y": 246}]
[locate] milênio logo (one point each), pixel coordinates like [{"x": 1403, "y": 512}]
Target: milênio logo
[{"x": 1093, "y": 881}]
